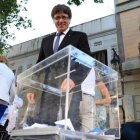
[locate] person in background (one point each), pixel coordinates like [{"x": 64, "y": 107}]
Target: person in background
[
  {"x": 87, "y": 105},
  {"x": 7, "y": 88},
  {"x": 92, "y": 108},
  {"x": 101, "y": 97}
]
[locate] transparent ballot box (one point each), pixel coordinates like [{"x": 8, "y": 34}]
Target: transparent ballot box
[{"x": 70, "y": 90}]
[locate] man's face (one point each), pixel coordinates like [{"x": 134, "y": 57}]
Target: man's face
[{"x": 61, "y": 21}]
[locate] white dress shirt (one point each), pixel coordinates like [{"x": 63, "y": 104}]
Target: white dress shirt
[
  {"x": 61, "y": 37},
  {"x": 7, "y": 84},
  {"x": 88, "y": 85}
]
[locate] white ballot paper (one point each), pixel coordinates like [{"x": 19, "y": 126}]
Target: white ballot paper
[
  {"x": 88, "y": 85},
  {"x": 61, "y": 124},
  {"x": 36, "y": 125}
]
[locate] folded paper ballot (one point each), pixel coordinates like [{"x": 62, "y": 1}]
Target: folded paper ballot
[
  {"x": 36, "y": 125},
  {"x": 62, "y": 123}
]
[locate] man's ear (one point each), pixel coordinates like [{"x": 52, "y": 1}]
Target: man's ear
[{"x": 69, "y": 21}]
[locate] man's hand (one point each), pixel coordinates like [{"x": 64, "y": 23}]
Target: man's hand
[
  {"x": 64, "y": 85},
  {"x": 30, "y": 98}
]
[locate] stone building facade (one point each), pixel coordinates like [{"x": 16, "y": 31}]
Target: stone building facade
[{"x": 128, "y": 32}]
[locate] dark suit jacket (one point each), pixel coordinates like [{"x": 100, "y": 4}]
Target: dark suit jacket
[{"x": 75, "y": 38}]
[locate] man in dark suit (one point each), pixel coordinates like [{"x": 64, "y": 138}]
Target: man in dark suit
[{"x": 61, "y": 15}]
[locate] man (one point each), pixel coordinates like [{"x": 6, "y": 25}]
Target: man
[{"x": 61, "y": 15}]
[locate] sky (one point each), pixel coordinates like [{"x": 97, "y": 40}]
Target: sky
[{"x": 39, "y": 11}]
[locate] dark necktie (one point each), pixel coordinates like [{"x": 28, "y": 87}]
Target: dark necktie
[{"x": 56, "y": 45}]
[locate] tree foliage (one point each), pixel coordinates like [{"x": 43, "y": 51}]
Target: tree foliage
[
  {"x": 79, "y": 2},
  {"x": 10, "y": 17}
]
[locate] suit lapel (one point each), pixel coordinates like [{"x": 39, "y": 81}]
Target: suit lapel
[
  {"x": 66, "y": 39},
  {"x": 51, "y": 44}
]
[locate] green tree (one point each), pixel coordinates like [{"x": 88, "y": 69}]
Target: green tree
[
  {"x": 79, "y": 2},
  {"x": 10, "y": 17}
]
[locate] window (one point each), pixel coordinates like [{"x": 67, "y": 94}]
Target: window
[{"x": 100, "y": 56}]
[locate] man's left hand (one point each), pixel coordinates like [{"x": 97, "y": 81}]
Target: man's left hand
[{"x": 64, "y": 85}]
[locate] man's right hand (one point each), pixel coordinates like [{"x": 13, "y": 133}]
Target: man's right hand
[{"x": 30, "y": 98}]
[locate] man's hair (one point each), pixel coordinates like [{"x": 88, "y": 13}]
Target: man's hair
[
  {"x": 61, "y": 8},
  {"x": 3, "y": 59}
]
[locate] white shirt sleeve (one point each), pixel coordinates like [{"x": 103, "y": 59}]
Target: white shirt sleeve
[
  {"x": 18, "y": 101},
  {"x": 12, "y": 92}
]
